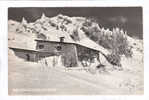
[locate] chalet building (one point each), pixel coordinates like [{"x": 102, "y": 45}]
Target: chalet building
[{"x": 70, "y": 53}]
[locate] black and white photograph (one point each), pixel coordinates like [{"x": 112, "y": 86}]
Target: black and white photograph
[{"x": 75, "y": 51}]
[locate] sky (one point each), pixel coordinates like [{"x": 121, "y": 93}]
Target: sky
[{"x": 127, "y": 18}]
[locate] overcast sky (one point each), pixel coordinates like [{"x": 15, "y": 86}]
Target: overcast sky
[{"x": 128, "y": 18}]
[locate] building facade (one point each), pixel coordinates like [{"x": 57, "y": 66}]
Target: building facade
[{"x": 69, "y": 54}]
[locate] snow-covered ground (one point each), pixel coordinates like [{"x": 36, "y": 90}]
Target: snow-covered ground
[{"x": 33, "y": 78}]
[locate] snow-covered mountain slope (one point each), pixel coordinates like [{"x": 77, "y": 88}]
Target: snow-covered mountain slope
[
  {"x": 74, "y": 29},
  {"x": 59, "y": 25},
  {"x": 49, "y": 28}
]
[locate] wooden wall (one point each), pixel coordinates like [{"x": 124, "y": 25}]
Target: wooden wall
[
  {"x": 67, "y": 51},
  {"x": 25, "y": 54},
  {"x": 85, "y": 53}
]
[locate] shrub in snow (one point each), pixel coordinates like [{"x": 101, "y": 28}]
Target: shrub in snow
[
  {"x": 114, "y": 59},
  {"x": 115, "y": 40}
]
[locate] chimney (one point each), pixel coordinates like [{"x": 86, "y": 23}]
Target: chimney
[{"x": 62, "y": 39}]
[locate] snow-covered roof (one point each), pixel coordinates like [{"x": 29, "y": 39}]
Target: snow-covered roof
[
  {"x": 85, "y": 43},
  {"x": 23, "y": 49},
  {"x": 93, "y": 45}
]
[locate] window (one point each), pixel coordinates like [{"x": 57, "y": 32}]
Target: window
[
  {"x": 59, "y": 48},
  {"x": 41, "y": 46}
]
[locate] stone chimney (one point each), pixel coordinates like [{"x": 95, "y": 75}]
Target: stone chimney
[{"x": 62, "y": 39}]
